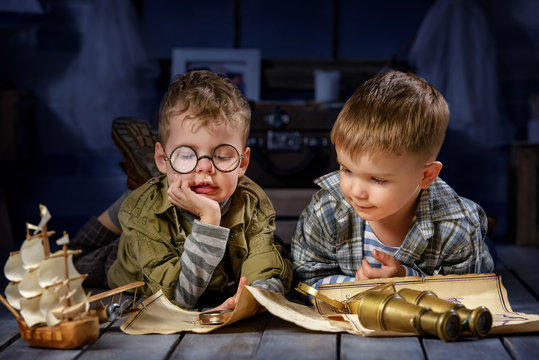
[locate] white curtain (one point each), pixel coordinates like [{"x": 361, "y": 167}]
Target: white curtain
[
  {"x": 111, "y": 76},
  {"x": 455, "y": 51}
]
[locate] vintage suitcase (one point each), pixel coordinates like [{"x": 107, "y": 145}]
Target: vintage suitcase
[{"x": 290, "y": 144}]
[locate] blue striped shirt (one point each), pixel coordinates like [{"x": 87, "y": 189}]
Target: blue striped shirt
[
  {"x": 371, "y": 243},
  {"x": 445, "y": 237}
]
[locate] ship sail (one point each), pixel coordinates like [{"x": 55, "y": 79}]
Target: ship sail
[
  {"x": 54, "y": 301},
  {"x": 52, "y": 270},
  {"x": 46, "y": 288},
  {"x": 13, "y": 296},
  {"x": 31, "y": 312},
  {"x": 32, "y": 252},
  {"x": 29, "y": 285},
  {"x": 45, "y": 217},
  {"x": 13, "y": 269}
]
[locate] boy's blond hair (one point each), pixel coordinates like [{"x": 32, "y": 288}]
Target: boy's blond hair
[
  {"x": 393, "y": 112},
  {"x": 210, "y": 98}
]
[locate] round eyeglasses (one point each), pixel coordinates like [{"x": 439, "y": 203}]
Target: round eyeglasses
[{"x": 224, "y": 158}]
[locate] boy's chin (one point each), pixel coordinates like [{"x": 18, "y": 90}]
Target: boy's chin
[{"x": 366, "y": 216}]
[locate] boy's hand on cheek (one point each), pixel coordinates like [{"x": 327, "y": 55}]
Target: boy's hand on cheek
[
  {"x": 180, "y": 194},
  {"x": 390, "y": 267}
]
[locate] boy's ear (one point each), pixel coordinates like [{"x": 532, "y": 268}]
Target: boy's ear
[
  {"x": 246, "y": 156},
  {"x": 430, "y": 173},
  {"x": 160, "y": 156}
]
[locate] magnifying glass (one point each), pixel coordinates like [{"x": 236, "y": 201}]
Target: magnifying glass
[{"x": 214, "y": 317}]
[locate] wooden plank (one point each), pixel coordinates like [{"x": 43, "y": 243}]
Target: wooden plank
[
  {"x": 522, "y": 260},
  {"x": 519, "y": 297},
  {"x": 359, "y": 347},
  {"x": 519, "y": 270},
  {"x": 8, "y": 338},
  {"x": 290, "y": 202},
  {"x": 522, "y": 347},
  {"x": 466, "y": 348},
  {"x": 9, "y": 332},
  {"x": 283, "y": 340},
  {"x": 20, "y": 350},
  {"x": 236, "y": 341},
  {"x": 114, "y": 344}
]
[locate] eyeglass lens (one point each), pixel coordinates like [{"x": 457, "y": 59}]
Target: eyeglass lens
[{"x": 225, "y": 158}]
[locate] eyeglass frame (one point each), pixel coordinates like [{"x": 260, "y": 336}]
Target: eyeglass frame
[{"x": 240, "y": 158}]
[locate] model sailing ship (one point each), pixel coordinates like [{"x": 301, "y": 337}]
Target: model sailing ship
[{"x": 54, "y": 311}]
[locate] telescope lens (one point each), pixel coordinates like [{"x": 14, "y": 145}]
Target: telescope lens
[
  {"x": 452, "y": 327},
  {"x": 484, "y": 323}
]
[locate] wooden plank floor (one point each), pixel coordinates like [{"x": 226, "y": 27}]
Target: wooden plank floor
[{"x": 267, "y": 337}]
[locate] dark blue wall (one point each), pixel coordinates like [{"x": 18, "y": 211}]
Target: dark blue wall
[{"x": 51, "y": 162}]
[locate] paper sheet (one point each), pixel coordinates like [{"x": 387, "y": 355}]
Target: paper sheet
[{"x": 158, "y": 315}]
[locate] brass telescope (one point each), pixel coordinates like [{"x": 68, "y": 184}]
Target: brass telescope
[
  {"x": 382, "y": 308},
  {"x": 478, "y": 321}
]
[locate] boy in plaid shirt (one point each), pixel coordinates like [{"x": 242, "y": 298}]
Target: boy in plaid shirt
[{"x": 386, "y": 213}]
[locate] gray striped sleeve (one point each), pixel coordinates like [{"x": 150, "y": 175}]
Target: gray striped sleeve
[
  {"x": 203, "y": 250},
  {"x": 273, "y": 284}
]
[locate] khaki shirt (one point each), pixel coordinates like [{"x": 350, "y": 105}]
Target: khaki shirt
[{"x": 153, "y": 237}]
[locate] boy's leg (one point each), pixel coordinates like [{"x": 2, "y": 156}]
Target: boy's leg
[
  {"x": 99, "y": 247},
  {"x": 107, "y": 222},
  {"x": 91, "y": 236},
  {"x": 99, "y": 231},
  {"x": 98, "y": 240},
  {"x": 97, "y": 263}
]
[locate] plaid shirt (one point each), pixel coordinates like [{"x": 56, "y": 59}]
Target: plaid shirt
[{"x": 445, "y": 237}]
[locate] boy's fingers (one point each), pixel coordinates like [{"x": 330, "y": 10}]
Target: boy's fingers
[
  {"x": 381, "y": 256},
  {"x": 365, "y": 265},
  {"x": 359, "y": 274},
  {"x": 385, "y": 259},
  {"x": 366, "y": 268},
  {"x": 362, "y": 272},
  {"x": 228, "y": 304},
  {"x": 241, "y": 285}
]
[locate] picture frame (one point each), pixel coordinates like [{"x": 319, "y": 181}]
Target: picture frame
[{"x": 241, "y": 66}]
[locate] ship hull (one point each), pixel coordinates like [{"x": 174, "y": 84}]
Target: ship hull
[{"x": 66, "y": 335}]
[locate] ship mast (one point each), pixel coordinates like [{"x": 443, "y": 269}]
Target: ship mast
[
  {"x": 64, "y": 240},
  {"x": 66, "y": 271}
]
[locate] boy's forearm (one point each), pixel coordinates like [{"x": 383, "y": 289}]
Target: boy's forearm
[{"x": 204, "y": 249}]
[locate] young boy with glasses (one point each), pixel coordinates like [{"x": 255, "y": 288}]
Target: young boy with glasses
[
  {"x": 202, "y": 230},
  {"x": 386, "y": 213}
]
